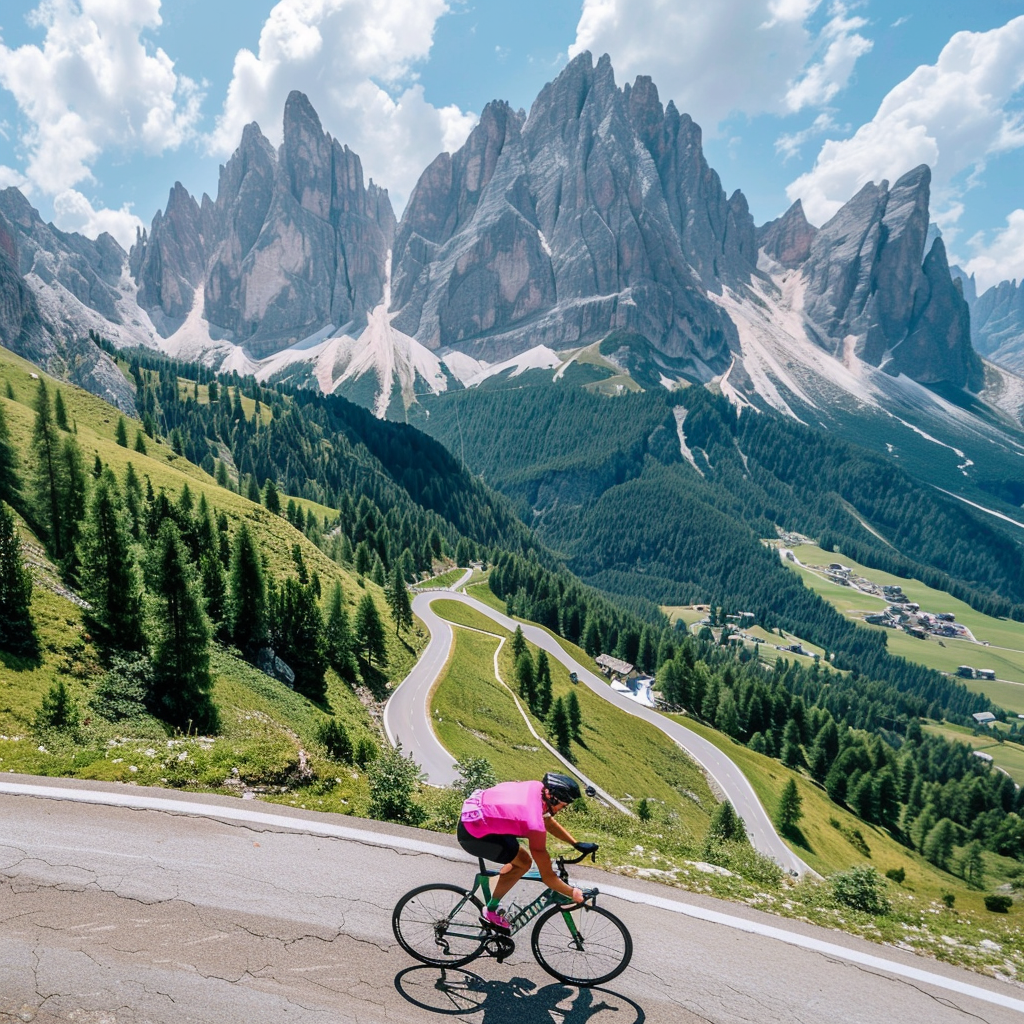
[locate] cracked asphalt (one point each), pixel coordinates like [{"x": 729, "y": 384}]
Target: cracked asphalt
[{"x": 111, "y": 915}]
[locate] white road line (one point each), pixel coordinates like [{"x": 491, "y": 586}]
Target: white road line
[{"x": 143, "y": 802}]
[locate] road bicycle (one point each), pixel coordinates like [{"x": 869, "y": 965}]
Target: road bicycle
[{"x": 579, "y": 944}]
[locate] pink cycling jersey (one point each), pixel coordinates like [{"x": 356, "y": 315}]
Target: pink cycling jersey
[{"x": 508, "y": 809}]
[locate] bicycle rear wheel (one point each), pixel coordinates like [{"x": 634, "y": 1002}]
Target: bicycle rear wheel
[
  {"x": 439, "y": 924},
  {"x": 600, "y": 949}
]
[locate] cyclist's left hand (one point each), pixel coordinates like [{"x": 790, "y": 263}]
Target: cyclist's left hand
[{"x": 577, "y": 896}]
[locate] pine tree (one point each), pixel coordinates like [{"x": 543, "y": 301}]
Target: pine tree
[
  {"x": 575, "y": 715},
  {"x": 10, "y": 482},
  {"x": 121, "y": 435},
  {"x": 17, "y": 628},
  {"x": 398, "y": 600},
  {"x": 297, "y": 635},
  {"x": 369, "y": 633},
  {"x": 338, "y": 636},
  {"x": 58, "y": 710},
  {"x": 790, "y": 808},
  {"x": 939, "y": 843},
  {"x": 271, "y": 497},
  {"x": 72, "y": 504},
  {"x": 110, "y": 577},
  {"x": 181, "y": 659},
  {"x": 60, "y": 412},
  {"x": 48, "y": 477},
  {"x": 972, "y": 864},
  {"x": 247, "y": 596},
  {"x": 542, "y": 686},
  {"x": 253, "y": 491},
  {"x": 221, "y": 474},
  {"x": 525, "y": 679},
  {"x": 558, "y": 726},
  {"x": 140, "y": 442},
  {"x": 518, "y": 643},
  {"x": 726, "y": 826}
]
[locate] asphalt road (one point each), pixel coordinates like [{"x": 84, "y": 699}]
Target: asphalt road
[
  {"x": 407, "y": 717},
  {"x": 190, "y": 909}
]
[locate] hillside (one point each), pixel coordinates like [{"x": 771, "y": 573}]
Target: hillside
[{"x": 268, "y": 737}]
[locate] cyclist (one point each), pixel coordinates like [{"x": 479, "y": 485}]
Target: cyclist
[{"x": 493, "y": 820}]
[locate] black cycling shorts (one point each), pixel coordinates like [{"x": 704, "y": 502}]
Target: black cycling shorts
[{"x": 498, "y": 848}]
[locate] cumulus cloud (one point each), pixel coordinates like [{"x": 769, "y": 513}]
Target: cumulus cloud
[
  {"x": 73, "y": 212},
  {"x": 731, "y": 56},
  {"x": 951, "y": 115},
  {"x": 1002, "y": 259},
  {"x": 356, "y": 61},
  {"x": 92, "y": 85}
]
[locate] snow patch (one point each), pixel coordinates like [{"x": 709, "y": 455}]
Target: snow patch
[
  {"x": 544, "y": 242},
  {"x": 540, "y": 357},
  {"x": 462, "y": 366}
]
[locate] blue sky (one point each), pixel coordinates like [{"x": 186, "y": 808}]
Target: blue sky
[{"x": 105, "y": 103}]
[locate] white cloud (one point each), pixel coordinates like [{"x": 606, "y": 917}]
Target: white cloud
[
  {"x": 729, "y": 56},
  {"x": 72, "y": 211},
  {"x": 94, "y": 84},
  {"x": 9, "y": 176},
  {"x": 337, "y": 51},
  {"x": 951, "y": 115},
  {"x": 1003, "y": 258},
  {"x": 824, "y": 79},
  {"x": 790, "y": 145}
]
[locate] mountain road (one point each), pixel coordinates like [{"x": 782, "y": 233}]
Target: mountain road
[
  {"x": 407, "y": 718},
  {"x": 126, "y": 905}
]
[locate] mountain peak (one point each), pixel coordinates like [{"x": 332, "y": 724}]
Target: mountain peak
[{"x": 788, "y": 239}]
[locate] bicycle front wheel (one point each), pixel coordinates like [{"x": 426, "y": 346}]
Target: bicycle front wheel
[
  {"x": 439, "y": 925},
  {"x": 597, "y": 949}
]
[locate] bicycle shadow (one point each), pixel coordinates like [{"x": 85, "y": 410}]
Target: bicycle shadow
[{"x": 498, "y": 1001}]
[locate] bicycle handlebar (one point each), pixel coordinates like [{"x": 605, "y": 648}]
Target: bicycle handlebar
[{"x": 562, "y": 862}]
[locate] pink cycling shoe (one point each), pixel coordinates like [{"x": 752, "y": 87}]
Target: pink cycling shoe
[{"x": 496, "y": 919}]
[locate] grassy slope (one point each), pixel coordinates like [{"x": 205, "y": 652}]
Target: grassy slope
[
  {"x": 264, "y": 723},
  {"x": 479, "y": 718},
  {"x": 1005, "y": 655},
  {"x": 824, "y": 847}
]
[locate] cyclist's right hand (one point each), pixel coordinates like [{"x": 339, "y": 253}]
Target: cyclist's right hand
[{"x": 586, "y": 847}]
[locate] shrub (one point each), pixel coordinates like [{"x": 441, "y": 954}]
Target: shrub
[
  {"x": 58, "y": 710},
  {"x": 998, "y": 903},
  {"x": 949, "y": 899},
  {"x": 334, "y": 736},
  {"x": 861, "y": 888},
  {"x": 474, "y": 773},
  {"x": 366, "y": 751},
  {"x": 896, "y": 874},
  {"x": 643, "y": 809},
  {"x": 122, "y": 693},
  {"x": 393, "y": 778}
]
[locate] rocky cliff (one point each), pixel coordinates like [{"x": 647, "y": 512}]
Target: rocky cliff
[
  {"x": 997, "y": 320},
  {"x": 295, "y": 241},
  {"x": 55, "y": 287},
  {"x": 556, "y": 229},
  {"x": 872, "y": 292}
]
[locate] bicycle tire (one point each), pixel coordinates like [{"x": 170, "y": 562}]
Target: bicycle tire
[
  {"x": 554, "y": 948},
  {"x": 422, "y": 917}
]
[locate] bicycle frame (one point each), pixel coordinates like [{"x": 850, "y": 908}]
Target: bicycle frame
[{"x": 523, "y": 915}]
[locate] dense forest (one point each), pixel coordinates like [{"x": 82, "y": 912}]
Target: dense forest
[{"x": 605, "y": 483}]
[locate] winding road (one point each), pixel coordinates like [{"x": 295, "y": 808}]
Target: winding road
[
  {"x": 407, "y": 719},
  {"x": 126, "y": 905}
]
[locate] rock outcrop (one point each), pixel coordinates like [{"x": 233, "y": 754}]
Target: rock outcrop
[
  {"x": 555, "y": 230},
  {"x": 54, "y": 288},
  {"x": 997, "y": 320},
  {"x": 869, "y": 284},
  {"x": 294, "y": 243},
  {"x": 788, "y": 239}
]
